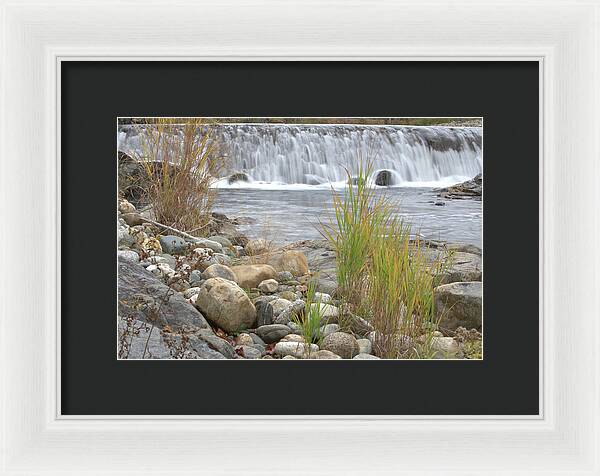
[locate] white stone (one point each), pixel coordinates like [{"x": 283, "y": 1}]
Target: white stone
[
  {"x": 295, "y": 349},
  {"x": 364, "y": 346}
]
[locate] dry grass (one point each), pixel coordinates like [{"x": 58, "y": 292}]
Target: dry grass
[{"x": 181, "y": 163}]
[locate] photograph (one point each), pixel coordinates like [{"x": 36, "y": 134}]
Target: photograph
[{"x": 299, "y": 238}]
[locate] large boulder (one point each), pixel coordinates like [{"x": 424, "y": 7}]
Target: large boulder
[
  {"x": 251, "y": 275},
  {"x": 384, "y": 178},
  {"x": 226, "y": 305},
  {"x": 291, "y": 260},
  {"x": 459, "y": 305},
  {"x": 342, "y": 344},
  {"x": 144, "y": 297}
]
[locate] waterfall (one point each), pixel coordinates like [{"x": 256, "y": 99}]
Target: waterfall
[{"x": 320, "y": 154}]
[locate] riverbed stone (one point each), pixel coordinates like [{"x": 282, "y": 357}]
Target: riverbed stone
[
  {"x": 264, "y": 313},
  {"x": 216, "y": 343},
  {"x": 222, "y": 240},
  {"x": 280, "y": 305},
  {"x": 226, "y": 305},
  {"x": 250, "y": 352},
  {"x": 173, "y": 245},
  {"x": 251, "y": 275},
  {"x": 364, "y": 346},
  {"x": 272, "y": 333},
  {"x": 196, "y": 279},
  {"x": 445, "y": 348},
  {"x": 128, "y": 255},
  {"x": 268, "y": 286},
  {"x": 329, "y": 329},
  {"x": 342, "y": 344},
  {"x": 459, "y": 305},
  {"x": 284, "y": 276},
  {"x": 219, "y": 271},
  {"x": 295, "y": 349},
  {"x": 206, "y": 243},
  {"x": 325, "y": 355}
]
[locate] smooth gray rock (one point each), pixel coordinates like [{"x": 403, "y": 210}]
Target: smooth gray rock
[
  {"x": 459, "y": 305},
  {"x": 143, "y": 296},
  {"x": 295, "y": 349},
  {"x": 128, "y": 255},
  {"x": 272, "y": 333},
  {"x": 329, "y": 329},
  {"x": 173, "y": 245},
  {"x": 204, "y": 243},
  {"x": 216, "y": 343},
  {"x": 364, "y": 346},
  {"x": 257, "y": 340}
]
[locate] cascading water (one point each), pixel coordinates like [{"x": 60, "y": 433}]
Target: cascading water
[{"x": 271, "y": 154}]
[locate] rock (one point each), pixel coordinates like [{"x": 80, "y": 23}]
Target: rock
[
  {"x": 264, "y": 313},
  {"x": 257, "y": 340},
  {"x": 283, "y": 276},
  {"x": 268, "y": 286},
  {"x": 292, "y": 338},
  {"x": 128, "y": 255},
  {"x": 384, "y": 178},
  {"x": 216, "y": 343},
  {"x": 143, "y": 296},
  {"x": 223, "y": 240},
  {"x": 342, "y": 344},
  {"x": 329, "y": 329},
  {"x": 440, "y": 204},
  {"x": 295, "y": 310},
  {"x": 223, "y": 259},
  {"x": 294, "y": 349},
  {"x": 133, "y": 219},
  {"x": 139, "y": 340},
  {"x": 358, "y": 325},
  {"x": 244, "y": 339},
  {"x": 204, "y": 243},
  {"x": 272, "y": 333},
  {"x": 188, "y": 293},
  {"x": 289, "y": 357},
  {"x": 196, "y": 278},
  {"x": 124, "y": 238},
  {"x": 218, "y": 271},
  {"x": 325, "y": 355},
  {"x": 323, "y": 298},
  {"x": 280, "y": 305},
  {"x": 470, "y": 189},
  {"x": 126, "y": 207},
  {"x": 364, "y": 346},
  {"x": 249, "y": 352},
  {"x": 295, "y": 328},
  {"x": 251, "y": 275},
  {"x": 291, "y": 260},
  {"x": 237, "y": 177},
  {"x": 226, "y": 305},
  {"x": 445, "y": 348},
  {"x": 173, "y": 245},
  {"x": 459, "y": 304},
  {"x": 365, "y": 357},
  {"x": 328, "y": 312},
  {"x": 289, "y": 295},
  {"x": 257, "y": 247}
]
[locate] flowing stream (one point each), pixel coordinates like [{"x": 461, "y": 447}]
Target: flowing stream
[{"x": 288, "y": 172}]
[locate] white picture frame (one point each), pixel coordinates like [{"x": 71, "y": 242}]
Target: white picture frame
[{"x": 563, "y": 36}]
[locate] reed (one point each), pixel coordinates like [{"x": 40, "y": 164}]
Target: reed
[{"x": 181, "y": 162}]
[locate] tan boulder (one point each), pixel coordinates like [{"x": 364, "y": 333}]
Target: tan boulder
[
  {"x": 251, "y": 275},
  {"x": 226, "y": 305}
]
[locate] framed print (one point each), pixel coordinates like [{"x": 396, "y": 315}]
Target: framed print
[{"x": 241, "y": 233}]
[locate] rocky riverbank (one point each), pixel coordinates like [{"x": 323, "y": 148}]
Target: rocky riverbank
[{"x": 227, "y": 297}]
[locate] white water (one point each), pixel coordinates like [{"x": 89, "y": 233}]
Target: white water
[{"x": 281, "y": 156}]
